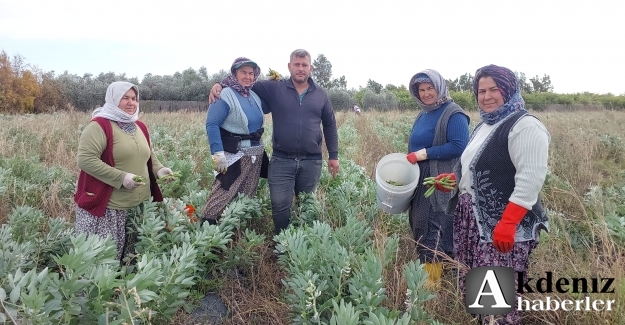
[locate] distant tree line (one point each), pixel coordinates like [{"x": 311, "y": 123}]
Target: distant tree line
[
  {"x": 534, "y": 85},
  {"x": 26, "y": 89}
]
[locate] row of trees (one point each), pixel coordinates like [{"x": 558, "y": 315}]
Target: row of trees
[
  {"x": 27, "y": 89},
  {"x": 534, "y": 85}
]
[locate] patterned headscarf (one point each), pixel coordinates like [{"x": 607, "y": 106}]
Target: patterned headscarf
[
  {"x": 432, "y": 77},
  {"x": 508, "y": 85},
  {"x": 231, "y": 80}
]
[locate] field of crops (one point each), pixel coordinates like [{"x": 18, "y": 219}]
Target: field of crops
[{"x": 344, "y": 262}]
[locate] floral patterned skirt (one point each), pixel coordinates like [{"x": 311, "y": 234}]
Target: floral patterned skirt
[
  {"x": 112, "y": 224},
  {"x": 470, "y": 252},
  {"x": 246, "y": 183}
]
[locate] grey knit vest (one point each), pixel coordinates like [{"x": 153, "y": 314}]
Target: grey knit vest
[
  {"x": 236, "y": 121},
  {"x": 439, "y": 199}
]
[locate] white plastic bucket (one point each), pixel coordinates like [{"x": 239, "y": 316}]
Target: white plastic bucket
[{"x": 396, "y": 168}]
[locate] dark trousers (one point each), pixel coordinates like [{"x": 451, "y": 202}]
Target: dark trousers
[{"x": 287, "y": 177}]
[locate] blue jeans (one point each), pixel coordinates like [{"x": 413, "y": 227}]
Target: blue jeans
[{"x": 287, "y": 176}]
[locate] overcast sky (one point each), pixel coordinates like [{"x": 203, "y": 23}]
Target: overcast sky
[{"x": 579, "y": 44}]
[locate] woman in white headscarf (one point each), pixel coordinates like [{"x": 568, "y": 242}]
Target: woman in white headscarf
[{"x": 118, "y": 168}]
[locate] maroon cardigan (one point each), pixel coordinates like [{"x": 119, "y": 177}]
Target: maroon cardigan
[{"x": 92, "y": 194}]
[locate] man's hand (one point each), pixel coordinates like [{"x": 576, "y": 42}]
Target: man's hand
[
  {"x": 333, "y": 167},
  {"x": 214, "y": 93}
]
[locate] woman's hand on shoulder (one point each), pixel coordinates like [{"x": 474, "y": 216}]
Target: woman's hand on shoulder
[{"x": 214, "y": 93}]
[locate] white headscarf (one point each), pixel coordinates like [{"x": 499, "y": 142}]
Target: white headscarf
[{"x": 111, "y": 110}]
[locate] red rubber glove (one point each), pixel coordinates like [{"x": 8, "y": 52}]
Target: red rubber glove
[
  {"x": 439, "y": 186},
  {"x": 412, "y": 157},
  {"x": 503, "y": 235}
]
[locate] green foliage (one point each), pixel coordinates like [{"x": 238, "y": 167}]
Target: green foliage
[
  {"x": 396, "y": 132},
  {"x": 374, "y": 86},
  {"x": 613, "y": 146},
  {"x": 339, "y": 83},
  {"x": 26, "y": 182},
  {"x": 610, "y": 202},
  {"x": 340, "y": 98},
  {"x": 26, "y": 89},
  {"x": 49, "y": 235},
  {"x": 462, "y": 84},
  {"x": 541, "y": 85},
  {"x": 335, "y": 277},
  {"x": 464, "y": 99},
  {"x": 380, "y": 100},
  {"x": 525, "y": 86},
  {"x": 404, "y": 98},
  {"x": 50, "y": 276},
  {"x": 245, "y": 252},
  {"x": 322, "y": 74}
]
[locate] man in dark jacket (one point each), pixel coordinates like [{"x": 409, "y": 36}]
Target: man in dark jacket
[{"x": 298, "y": 108}]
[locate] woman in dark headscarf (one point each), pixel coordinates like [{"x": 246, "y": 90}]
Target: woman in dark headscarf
[
  {"x": 234, "y": 125},
  {"x": 498, "y": 213},
  {"x": 439, "y": 135}
]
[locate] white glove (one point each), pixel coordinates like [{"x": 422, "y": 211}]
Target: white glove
[
  {"x": 219, "y": 162},
  {"x": 164, "y": 171},
  {"x": 128, "y": 182}
]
